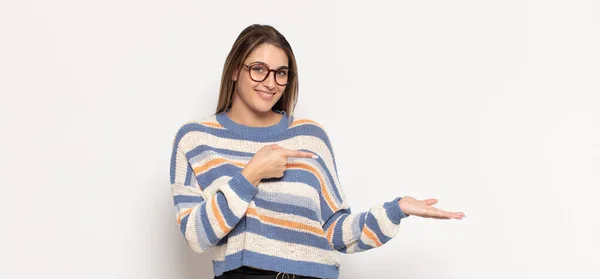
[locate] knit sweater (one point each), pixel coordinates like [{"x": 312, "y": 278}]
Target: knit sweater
[{"x": 292, "y": 224}]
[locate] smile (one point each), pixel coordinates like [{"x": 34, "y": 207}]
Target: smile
[{"x": 265, "y": 95}]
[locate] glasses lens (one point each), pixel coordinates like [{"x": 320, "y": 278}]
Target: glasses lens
[
  {"x": 258, "y": 72},
  {"x": 281, "y": 76}
]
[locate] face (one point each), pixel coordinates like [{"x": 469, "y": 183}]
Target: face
[{"x": 260, "y": 97}]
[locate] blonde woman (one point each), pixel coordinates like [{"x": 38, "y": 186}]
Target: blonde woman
[{"x": 259, "y": 188}]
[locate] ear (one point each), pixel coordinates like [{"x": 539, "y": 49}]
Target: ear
[{"x": 234, "y": 76}]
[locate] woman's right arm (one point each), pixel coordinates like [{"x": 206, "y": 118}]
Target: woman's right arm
[{"x": 205, "y": 219}]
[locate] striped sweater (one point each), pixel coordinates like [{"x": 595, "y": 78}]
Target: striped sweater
[{"x": 293, "y": 224}]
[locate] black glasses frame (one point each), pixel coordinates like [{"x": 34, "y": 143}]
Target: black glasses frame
[{"x": 290, "y": 73}]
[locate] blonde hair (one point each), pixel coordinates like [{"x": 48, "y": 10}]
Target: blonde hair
[{"x": 250, "y": 38}]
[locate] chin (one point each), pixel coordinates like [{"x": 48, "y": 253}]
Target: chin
[{"x": 263, "y": 109}]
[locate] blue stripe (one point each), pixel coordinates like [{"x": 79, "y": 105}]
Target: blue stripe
[
  {"x": 337, "y": 238},
  {"x": 290, "y": 199},
  {"x": 188, "y": 175},
  {"x": 393, "y": 211},
  {"x": 177, "y": 199},
  {"x": 333, "y": 187},
  {"x": 242, "y": 187},
  {"x": 326, "y": 212},
  {"x": 215, "y": 173},
  {"x": 300, "y": 176},
  {"x": 372, "y": 224},
  {"x": 231, "y": 262},
  {"x": 239, "y": 228},
  {"x": 183, "y": 224},
  {"x": 221, "y": 151},
  {"x": 185, "y": 205},
  {"x": 286, "y": 235},
  {"x": 363, "y": 246},
  {"x": 173, "y": 164},
  {"x": 286, "y": 208}
]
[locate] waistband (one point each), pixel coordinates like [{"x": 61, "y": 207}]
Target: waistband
[{"x": 250, "y": 273}]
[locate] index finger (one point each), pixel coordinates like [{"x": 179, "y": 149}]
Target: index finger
[{"x": 299, "y": 154}]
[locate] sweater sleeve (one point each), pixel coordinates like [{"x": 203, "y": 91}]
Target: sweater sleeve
[
  {"x": 351, "y": 232},
  {"x": 204, "y": 219}
]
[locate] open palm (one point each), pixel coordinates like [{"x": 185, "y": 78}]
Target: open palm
[{"x": 424, "y": 208}]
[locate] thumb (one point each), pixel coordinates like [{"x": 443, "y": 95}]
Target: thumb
[
  {"x": 274, "y": 146},
  {"x": 430, "y": 201}
]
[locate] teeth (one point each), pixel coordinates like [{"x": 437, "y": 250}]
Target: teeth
[{"x": 265, "y": 94}]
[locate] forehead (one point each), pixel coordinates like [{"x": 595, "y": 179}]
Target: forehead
[{"x": 270, "y": 54}]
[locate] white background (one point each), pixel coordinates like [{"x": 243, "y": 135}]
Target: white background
[{"x": 490, "y": 106}]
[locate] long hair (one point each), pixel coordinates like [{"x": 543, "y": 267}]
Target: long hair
[{"x": 250, "y": 38}]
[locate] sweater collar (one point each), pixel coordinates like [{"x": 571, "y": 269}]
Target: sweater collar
[{"x": 250, "y": 132}]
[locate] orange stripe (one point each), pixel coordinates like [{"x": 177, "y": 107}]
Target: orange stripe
[
  {"x": 330, "y": 230},
  {"x": 186, "y": 212},
  {"x": 321, "y": 181},
  {"x": 284, "y": 223},
  {"x": 215, "y": 162},
  {"x": 371, "y": 235},
  {"x": 220, "y": 219},
  {"x": 304, "y": 121},
  {"x": 212, "y": 124}
]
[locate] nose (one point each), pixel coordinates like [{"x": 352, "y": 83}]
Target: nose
[{"x": 269, "y": 82}]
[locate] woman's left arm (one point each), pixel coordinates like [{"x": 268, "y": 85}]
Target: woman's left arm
[{"x": 350, "y": 232}]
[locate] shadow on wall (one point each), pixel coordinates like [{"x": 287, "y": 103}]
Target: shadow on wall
[
  {"x": 190, "y": 264},
  {"x": 194, "y": 265},
  {"x": 183, "y": 262}
]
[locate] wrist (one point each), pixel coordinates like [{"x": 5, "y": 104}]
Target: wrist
[{"x": 251, "y": 175}]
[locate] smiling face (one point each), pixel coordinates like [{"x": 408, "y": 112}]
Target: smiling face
[{"x": 259, "y": 97}]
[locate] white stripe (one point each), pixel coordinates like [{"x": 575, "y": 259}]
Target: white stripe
[
  {"x": 181, "y": 167},
  {"x": 234, "y": 244},
  {"x": 236, "y": 204},
  {"x": 388, "y": 228},
  {"x": 179, "y": 189},
  {"x": 290, "y": 251},
  {"x": 351, "y": 228}
]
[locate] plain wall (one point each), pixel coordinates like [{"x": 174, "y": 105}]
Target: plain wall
[{"x": 490, "y": 106}]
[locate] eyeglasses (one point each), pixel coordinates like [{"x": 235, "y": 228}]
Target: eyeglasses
[{"x": 260, "y": 72}]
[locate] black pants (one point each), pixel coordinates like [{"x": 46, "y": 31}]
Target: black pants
[{"x": 250, "y": 273}]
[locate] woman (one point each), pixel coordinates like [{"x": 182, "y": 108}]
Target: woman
[{"x": 260, "y": 188}]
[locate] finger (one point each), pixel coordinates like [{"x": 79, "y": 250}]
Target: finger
[
  {"x": 435, "y": 214},
  {"x": 430, "y": 201},
  {"x": 458, "y": 215},
  {"x": 453, "y": 215},
  {"x": 299, "y": 154},
  {"x": 441, "y": 213}
]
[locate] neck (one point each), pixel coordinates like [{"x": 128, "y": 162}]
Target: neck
[{"x": 252, "y": 118}]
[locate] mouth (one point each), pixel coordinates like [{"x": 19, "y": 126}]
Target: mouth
[{"x": 265, "y": 95}]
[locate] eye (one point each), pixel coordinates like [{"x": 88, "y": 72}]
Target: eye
[
  {"x": 259, "y": 68},
  {"x": 282, "y": 73}
]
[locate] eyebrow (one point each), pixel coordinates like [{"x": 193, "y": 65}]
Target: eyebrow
[{"x": 260, "y": 62}]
